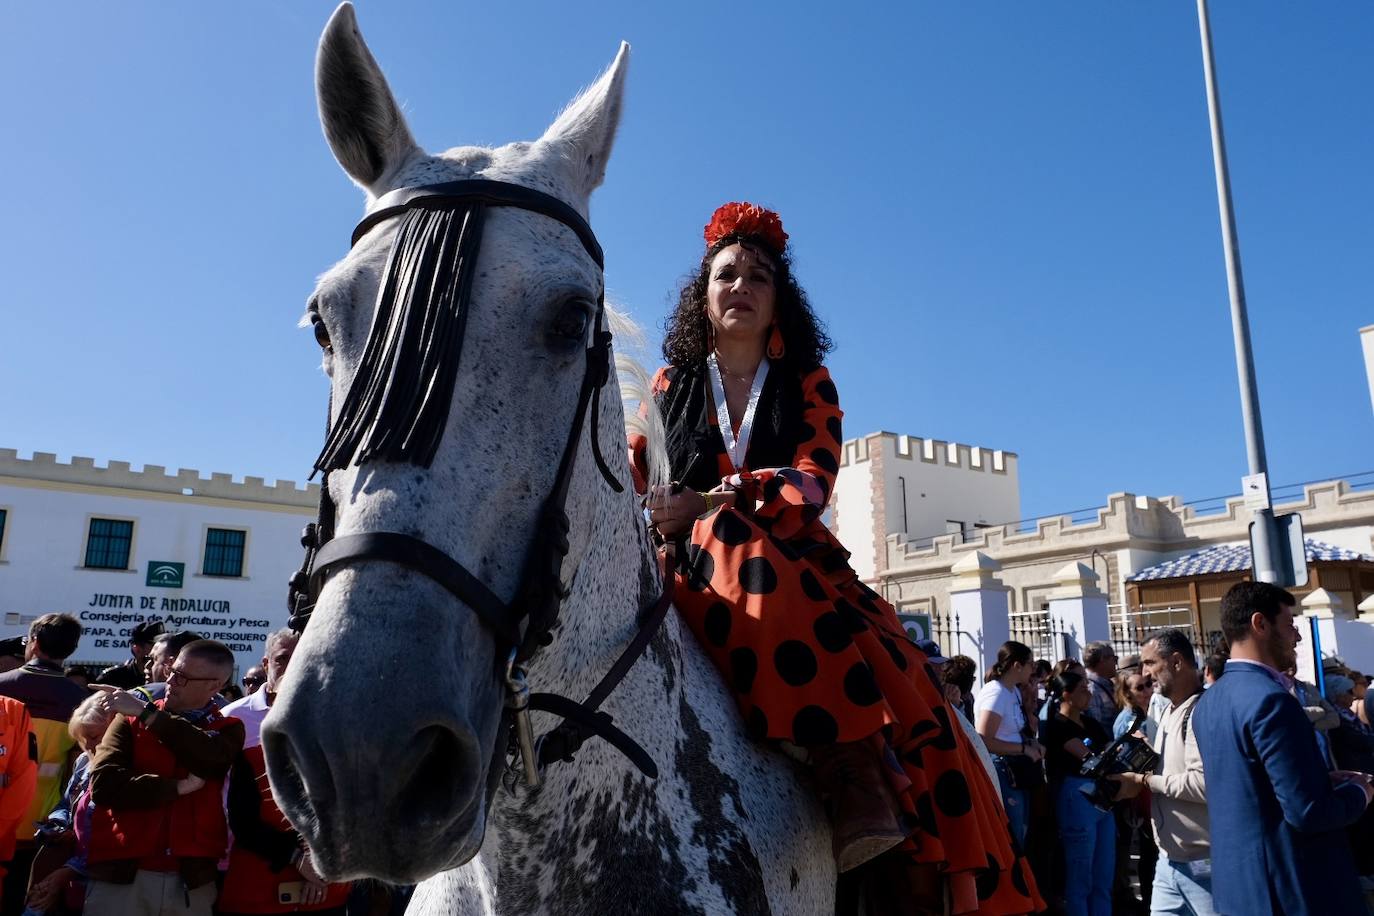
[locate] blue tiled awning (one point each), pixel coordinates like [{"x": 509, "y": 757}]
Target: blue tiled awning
[{"x": 1225, "y": 558}]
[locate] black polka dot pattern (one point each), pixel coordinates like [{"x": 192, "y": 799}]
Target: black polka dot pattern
[
  {"x": 729, "y": 528},
  {"x": 850, "y": 615},
  {"x": 717, "y": 624},
  {"x": 859, "y": 686},
  {"x": 833, "y": 427},
  {"x": 1018, "y": 878},
  {"x": 811, "y": 586},
  {"x": 744, "y": 667},
  {"x": 944, "y": 737},
  {"x": 830, "y": 631},
  {"x": 700, "y": 568},
  {"x": 825, "y": 390},
  {"x": 813, "y": 725},
  {"x": 952, "y": 794},
  {"x": 795, "y": 662},
  {"x": 756, "y": 724},
  {"x": 895, "y": 653},
  {"x": 925, "y": 814},
  {"x": 988, "y": 879},
  {"x": 825, "y": 460},
  {"x": 757, "y": 576}
]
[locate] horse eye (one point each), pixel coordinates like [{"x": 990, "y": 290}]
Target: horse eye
[
  {"x": 321, "y": 333},
  {"x": 570, "y": 324}
]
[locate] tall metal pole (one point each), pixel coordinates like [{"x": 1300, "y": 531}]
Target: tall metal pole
[{"x": 1265, "y": 537}]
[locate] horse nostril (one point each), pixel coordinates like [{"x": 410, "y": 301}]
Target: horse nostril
[
  {"x": 289, "y": 774},
  {"x": 436, "y": 786}
]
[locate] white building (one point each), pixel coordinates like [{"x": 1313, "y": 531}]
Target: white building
[
  {"x": 919, "y": 489},
  {"x": 115, "y": 546}
]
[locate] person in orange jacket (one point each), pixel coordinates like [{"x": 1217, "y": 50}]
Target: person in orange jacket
[{"x": 18, "y": 772}]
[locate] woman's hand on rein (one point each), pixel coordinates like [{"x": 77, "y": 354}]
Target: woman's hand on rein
[{"x": 672, "y": 513}]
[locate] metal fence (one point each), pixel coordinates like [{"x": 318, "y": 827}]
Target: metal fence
[{"x": 1127, "y": 636}]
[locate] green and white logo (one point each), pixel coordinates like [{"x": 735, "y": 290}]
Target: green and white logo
[
  {"x": 917, "y": 626},
  {"x": 164, "y": 574}
]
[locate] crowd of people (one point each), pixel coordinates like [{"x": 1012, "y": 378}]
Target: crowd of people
[
  {"x": 1288, "y": 765},
  {"x": 142, "y": 789}
]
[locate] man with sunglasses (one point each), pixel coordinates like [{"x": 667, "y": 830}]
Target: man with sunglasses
[{"x": 159, "y": 830}]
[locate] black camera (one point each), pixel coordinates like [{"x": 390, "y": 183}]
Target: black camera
[{"x": 1127, "y": 754}]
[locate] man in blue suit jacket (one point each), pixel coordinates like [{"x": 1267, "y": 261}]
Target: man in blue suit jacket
[{"x": 1278, "y": 815}]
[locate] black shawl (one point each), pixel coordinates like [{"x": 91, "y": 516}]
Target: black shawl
[{"x": 694, "y": 445}]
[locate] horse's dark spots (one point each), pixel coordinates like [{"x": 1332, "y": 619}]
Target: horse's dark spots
[
  {"x": 732, "y": 865},
  {"x": 795, "y": 879}
]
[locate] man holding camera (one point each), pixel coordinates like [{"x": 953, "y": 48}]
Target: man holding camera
[{"x": 1178, "y": 799}]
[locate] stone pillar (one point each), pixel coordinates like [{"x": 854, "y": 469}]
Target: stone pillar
[
  {"x": 980, "y": 602},
  {"x": 1322, "y": 614},
  {"x": 1078, "y": 608}
]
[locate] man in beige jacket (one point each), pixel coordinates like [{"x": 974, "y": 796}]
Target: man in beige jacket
[{"x": 1178, "y": 795}]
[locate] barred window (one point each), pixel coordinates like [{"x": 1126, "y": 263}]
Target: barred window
[
  {"x": 223, "y": 552},
  {"x": 3, "y": 516},
  {"x": 108, "y": 544}
]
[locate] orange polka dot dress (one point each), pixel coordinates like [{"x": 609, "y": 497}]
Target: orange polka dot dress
[{"x": 815, "y": 657}]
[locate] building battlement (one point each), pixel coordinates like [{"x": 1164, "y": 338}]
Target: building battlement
[
  {"x": 938, "y": 452},
  {"x": 154, "y": 478}
]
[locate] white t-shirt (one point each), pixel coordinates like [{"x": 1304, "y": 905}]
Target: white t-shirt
[{"x": 1006, "y": 702}]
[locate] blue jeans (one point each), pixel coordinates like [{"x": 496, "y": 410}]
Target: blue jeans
[
  {"x": 1088, "y": 837},
  {"x": 1181, "y": 891},
  {"x": 1015, "y": 801}
]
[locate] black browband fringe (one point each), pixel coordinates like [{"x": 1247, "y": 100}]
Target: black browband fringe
[{"x": 398, "y": 402}]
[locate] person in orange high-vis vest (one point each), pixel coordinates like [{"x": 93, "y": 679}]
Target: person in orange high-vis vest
[
  {"x": 158, "y": 830},
  {"x": 270, "y": 869},
  {"x": 18, "y": 772}
]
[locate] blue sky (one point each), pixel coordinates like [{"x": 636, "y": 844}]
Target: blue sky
[{"x": 1005, "y": 212}]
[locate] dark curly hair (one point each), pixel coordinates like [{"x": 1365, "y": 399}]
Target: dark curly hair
[{"x": 805, "y": 342}]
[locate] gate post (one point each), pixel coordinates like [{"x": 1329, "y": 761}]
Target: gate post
[
  {"x": 982, "y": 604},
  {"x": 1081, "y": 606}
]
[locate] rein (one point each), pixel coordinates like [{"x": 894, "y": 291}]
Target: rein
[{"x": 396, "y": 409}]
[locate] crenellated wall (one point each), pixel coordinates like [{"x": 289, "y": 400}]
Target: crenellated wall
[
  {"x": 152, "y": 478},
  {"x": 1128, "y": 534},
  {"x": 891, "y": 484}
]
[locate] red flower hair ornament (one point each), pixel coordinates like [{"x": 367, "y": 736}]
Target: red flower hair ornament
[{"x": 740, "y": 218}]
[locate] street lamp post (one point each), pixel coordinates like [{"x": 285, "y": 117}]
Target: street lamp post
[{"x": 1264, "y": 536}]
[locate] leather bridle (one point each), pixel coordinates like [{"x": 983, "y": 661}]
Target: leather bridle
[{"x": 524, "y": 625}]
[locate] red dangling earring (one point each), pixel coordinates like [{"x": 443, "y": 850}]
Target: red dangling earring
[{"x": 776, "y": 349}]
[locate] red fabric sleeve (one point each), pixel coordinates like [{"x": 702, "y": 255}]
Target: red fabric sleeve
[{"x": 793, "y": 498}]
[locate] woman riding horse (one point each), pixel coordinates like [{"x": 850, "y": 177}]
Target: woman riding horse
[{"x": 814, "y": 657}]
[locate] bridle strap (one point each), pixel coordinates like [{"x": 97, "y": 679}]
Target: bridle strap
[
  {"x": 413, "y": 553},
  {"x": 448, "y": 194}
]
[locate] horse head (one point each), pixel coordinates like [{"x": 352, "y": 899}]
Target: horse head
[{"x": 382, "y": 746}]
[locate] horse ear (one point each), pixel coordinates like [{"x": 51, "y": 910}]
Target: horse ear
[
  {"x": 582, "y": 136},
  {"x": 361, "y": 120}
]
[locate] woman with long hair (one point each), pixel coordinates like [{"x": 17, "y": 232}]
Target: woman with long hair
[
  {"x": 1006, "y": 722},
  {"x": 814, "y": 658},
  {"x": 1087, "y": 835}
]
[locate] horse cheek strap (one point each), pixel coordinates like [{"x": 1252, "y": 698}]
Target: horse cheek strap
[{"x": 396, "y": 410}]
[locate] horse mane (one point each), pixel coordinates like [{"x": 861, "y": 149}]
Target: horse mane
[{"x": 636, "y": 392}]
